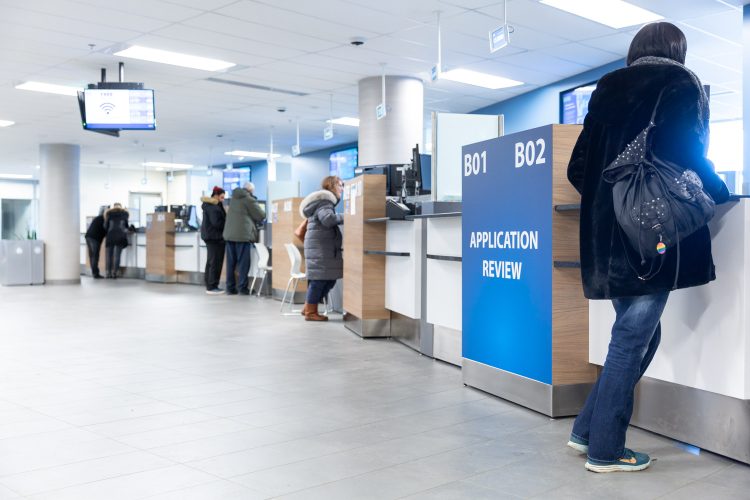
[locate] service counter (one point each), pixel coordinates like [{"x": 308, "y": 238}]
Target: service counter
[
  {"x": 697, "y": 389},
  {"x": 175, "y": 256},
  {"x": 443, "y": 287}
]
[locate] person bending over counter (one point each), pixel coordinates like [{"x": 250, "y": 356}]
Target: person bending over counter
[
  {"x": 324, "y": 263},
  {"x": 116, "y": 224},
  {"x": 656, "y": 82},
  {"x": 95, "y": 234}
]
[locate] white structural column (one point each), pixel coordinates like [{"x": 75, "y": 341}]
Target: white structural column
[
  {"x": 389, "y": 141},
  {"x": 59, "y": 212}
]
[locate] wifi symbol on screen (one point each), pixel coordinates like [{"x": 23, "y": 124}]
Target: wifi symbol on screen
[{"x": 107, "y": 107}]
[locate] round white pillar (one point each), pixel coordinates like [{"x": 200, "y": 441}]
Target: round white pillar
[
  {"x": 389, "y": 141},
  {"x": 59, "y": 212}
]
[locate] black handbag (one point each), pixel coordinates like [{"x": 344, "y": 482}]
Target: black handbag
[{"x": 657, "y": 203}]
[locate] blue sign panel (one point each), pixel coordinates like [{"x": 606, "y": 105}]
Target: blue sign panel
[{"x": 507, "y": 253}]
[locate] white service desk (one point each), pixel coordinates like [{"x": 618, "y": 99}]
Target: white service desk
[
  {"x": 189, "y": 257},
  {"x": 444, "y": 284},
  {"x": 403, "y": 272},
  {"x": 697, "y": 389}
]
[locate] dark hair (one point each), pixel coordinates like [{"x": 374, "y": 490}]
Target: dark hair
[
  {"x": 217, "y": 191},
  {"x": 658, "y": 40}
]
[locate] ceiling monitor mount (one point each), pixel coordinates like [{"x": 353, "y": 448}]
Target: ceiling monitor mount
[{"x": 110, "y": 107}]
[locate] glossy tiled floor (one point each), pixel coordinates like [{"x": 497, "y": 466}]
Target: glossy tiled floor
[{"x": 128, "y": 390}]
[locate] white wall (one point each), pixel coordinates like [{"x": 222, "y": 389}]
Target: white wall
[
  {"x": 121, "y": 183},
  {"x": 17, "y": 190}
]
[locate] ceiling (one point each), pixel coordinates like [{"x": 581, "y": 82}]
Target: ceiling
[{"x": 304, "y": 46}]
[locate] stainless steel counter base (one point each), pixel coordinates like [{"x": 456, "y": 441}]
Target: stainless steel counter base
[
  {"x": 299, "y": 297},
  {"x": 714, "y": 422},
  {"x": 551, "y": 400},
  {"x": 367, "y": 328},
  {"x": 406, "y": 330},
  {"x": 160, "y": 278}
]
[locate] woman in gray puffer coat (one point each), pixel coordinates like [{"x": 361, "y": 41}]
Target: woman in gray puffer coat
[{"x": 323, "y": 260}]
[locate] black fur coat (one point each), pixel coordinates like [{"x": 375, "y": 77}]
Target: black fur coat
[{"x": 619, "y": 109}]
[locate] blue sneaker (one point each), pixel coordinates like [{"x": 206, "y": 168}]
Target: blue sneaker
[
  {"x": 631, "y": 461},
  {"x": 578, "y": 444}
]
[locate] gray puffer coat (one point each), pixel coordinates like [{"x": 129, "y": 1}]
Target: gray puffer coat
[{"x": 323, "y": 241}]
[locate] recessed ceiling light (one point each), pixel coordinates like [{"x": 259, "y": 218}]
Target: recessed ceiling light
[
  {"x": 170, "y": 166},
  {"x": 250, "y": 154},
  {"x": 613, "y": 13},
  {"x": 174, "y": 58},
  {"x": 16, "y": 176},
  {"x": 49, "y": 88},
  {"x": 6, "y": 123},
  {"x": 345, "y": 120},
  {"x": 478, "y": 79}
]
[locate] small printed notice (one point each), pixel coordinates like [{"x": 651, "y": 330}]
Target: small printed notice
[
  {"x": 160, "y": 218},
  {"x": 353, "y": 205},
  {"x": 288, "y": 206}
]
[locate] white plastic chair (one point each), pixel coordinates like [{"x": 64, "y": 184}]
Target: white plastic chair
[
  {"x": 263, "y": 266},
  {"x": 295, "y": 275}
]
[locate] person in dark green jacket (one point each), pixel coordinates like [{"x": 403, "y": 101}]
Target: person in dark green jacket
[{"x": 240, "y": 232}]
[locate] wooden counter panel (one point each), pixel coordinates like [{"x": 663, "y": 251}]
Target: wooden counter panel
[
  {"x": 364, "y": 275},
  {"x": 284, "y": 224},
  {"x": 160, "y": 238},
  {"x": 570, "y": 324},
  {"x": 570, "y": 317}
]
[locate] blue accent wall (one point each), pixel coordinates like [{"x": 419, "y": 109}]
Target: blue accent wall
[{"x": 542, "y": 106}]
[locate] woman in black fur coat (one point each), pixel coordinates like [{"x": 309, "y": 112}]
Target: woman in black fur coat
[{"x": 620, "y": 107}]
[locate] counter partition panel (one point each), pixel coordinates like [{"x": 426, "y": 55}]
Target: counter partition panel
[
  {"x": 285, "y": 218},
  {"x": 525, "y": 320},
  {"x": 160, "y": 247},
  {"x": 364, "y": 257}
]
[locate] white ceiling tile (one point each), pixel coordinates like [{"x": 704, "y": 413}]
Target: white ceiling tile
[
  {"x": 98, "y": 15},
  {"x": 260, "y": 32},
  {"x": 220, "y": 40},
  {"x": 583, "y": 54},
  {"x": 198, "y": 49},
  {"x": 165, "y": 11},
  {"x": 291, "y": 21},
  {"x": 360, "y": 17}
]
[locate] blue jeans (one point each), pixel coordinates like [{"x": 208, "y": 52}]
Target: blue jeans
[
  {"x": 605, "y": 417},
  {"x": 318, "y": 289},
  {"x": 238, "y": 258}
]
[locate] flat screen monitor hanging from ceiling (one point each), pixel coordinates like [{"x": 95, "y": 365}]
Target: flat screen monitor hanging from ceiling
[{"x": 109, "y": 107}]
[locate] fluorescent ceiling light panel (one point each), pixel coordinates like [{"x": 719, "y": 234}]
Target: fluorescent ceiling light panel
[
  {"x": 49, "y": 88},
  {"x": 250, "y": 154},
  {"x": 345, "y": 120},
  {"x": 16, "y": 176},
  {"x": 168, "y": 166},
  {"x": 613, "y": 13},
  {"x": 6, "y": 123},
  {"x": 174, "y": 58},
  {"x": 478, "y": 79}
]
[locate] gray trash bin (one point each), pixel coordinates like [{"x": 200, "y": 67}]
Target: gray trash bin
[{"x": 21, "y": 262}]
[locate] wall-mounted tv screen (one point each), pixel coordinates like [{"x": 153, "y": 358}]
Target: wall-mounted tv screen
[
  {"x": 574, "y": 103},
  {"x": 123, "y": 109},
  {"x": 235, "y": 178},
  {"x": 343, "y": 163}
]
